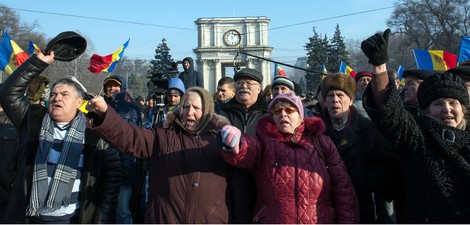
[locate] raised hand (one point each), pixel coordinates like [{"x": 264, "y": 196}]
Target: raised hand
[{"x": 375, "y": 48}]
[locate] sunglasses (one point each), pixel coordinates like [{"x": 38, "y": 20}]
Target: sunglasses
[{"x": 287, "y": 109}]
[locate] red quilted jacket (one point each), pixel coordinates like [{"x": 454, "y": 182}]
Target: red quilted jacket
[{"x": 294, "y": 185}]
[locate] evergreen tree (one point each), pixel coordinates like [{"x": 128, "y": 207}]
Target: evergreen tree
[
  {"x": 163, "y": 65},
  {"x": 337, "y": 51},
  {"x": 316, "y": 57}
]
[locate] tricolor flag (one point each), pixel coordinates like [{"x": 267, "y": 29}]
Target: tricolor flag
[
  {"x": 278, "y": 71},
  {"x": 11, "y": 55},
  {"x": 464, "y": 52},
  {"x": 33, "y": 48},
  {"x": 106, "y": 63},
  {"x": 324, "y": 71},
  {"x": 434, "y": 59},
  {"x": 344, "y": 68},
  {"x": 400, "y": 75}
]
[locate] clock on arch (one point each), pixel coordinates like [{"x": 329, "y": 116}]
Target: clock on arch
[{"x": 232, "y": 38}]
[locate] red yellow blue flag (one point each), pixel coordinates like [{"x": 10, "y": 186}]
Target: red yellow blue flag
[
  {"x": 11, "y": 55},
  {"x": 278, "y": 71},
  {"x": 400, "y": 71},
  {"x": 434, "y": 59},
  {"x": 107, "y": 63},
  {"x": 33, "y": 48},
  {"x": 324, "y": 71},
  {"x": 344, "y": 68}
]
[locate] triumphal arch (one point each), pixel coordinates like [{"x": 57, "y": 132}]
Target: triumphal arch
[{"x": 220, "y": 41}]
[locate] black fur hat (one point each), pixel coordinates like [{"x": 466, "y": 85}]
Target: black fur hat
[
  {"x": 67, "y": 46},
  {"x": 445, "y": 85}
]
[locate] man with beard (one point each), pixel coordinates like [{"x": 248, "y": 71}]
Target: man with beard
[{"x": 249, "y": 106}]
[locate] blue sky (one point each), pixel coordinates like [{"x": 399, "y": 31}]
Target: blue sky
[{"x": 147, "y": 22}]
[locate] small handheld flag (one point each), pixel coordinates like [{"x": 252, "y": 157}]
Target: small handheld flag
[
  {"x": 107, "y": 63},
  {"x": 344, "y": 68},
  {"x": 434, "y": 59}
]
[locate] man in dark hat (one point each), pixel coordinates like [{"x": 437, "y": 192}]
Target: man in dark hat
[
  {"x": 463, "y": 71},
  {"x": 362, "y": 80},
  {"x": 413, "y": 78},
  {"x": 249, "y": 106}
]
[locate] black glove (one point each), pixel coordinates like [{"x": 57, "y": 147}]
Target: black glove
[{"x": 375, "y": 48}]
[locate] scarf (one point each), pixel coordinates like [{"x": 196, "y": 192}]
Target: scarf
[{"x": 66, "y": 169}]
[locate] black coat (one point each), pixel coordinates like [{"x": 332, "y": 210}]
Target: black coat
[
  {"x": 368, "y": 158},
  {"x": 435, "y": 160},
  {"x": 101, "y": 173}
]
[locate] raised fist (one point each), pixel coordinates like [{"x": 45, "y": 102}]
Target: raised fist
[
  {"x": 375, "y": 48},
  {"x": 231, "y": 138}
]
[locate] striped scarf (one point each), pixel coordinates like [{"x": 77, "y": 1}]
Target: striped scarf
[{"x": 66, "y": 169}]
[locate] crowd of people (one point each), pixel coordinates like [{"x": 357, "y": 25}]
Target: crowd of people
[{"x": 361, "y": 149}]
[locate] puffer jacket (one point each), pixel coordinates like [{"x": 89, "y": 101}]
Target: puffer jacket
[
  {"x": 294, "y": 185},
  {"x": 101, "y": 173},
  {"x": 189, "y": 182}
]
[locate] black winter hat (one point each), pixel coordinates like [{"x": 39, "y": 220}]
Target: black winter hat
[
  {"x": 445, "y": 85},
  {"x": 420, "y": 74},
  {"x": 461, "y": 71},
  {"x": 67, "y": 46},
  {"x": 246, "y": 72}
]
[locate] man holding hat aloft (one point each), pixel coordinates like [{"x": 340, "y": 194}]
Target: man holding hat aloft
[
  {"x": 62, "y": 174},
  {"x": 434, "y": 147}
]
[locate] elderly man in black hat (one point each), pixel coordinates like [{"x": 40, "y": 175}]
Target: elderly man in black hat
[
  {"x": 249, "y": 106},
  {"x": 463, "y": 71},
  {"x": 413, "y": 78}
]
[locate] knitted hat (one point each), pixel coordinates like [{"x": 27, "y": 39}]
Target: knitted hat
[
  {"x": 282, "y": 80},
  {"x": 341, "y": 82},
  {"x": 362, "y": 74},
  {"x": 246, "y": 72},
  {"x": 287, "y": 97},
  {"x": 445, "y": 85},
  {"x": 176, "y": 84}
]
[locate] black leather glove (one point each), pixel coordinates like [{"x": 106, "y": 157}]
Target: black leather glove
[{"x": 375, "y": 48}]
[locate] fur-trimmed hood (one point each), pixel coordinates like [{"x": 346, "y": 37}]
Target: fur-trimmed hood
[{"x": 311, "y": 126}]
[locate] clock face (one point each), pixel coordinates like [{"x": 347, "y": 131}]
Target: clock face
[{"x": 232, "y": 37}]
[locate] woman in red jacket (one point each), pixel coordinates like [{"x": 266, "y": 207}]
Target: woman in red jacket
[{"x": 300, "y": 175}]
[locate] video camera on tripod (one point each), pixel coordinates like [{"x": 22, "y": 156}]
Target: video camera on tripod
[
  {"x": 158, "y": 87},
  {"x": 158, "y": 84}
]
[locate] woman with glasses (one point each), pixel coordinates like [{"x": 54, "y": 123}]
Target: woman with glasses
[{"x": 299, "y": 173}]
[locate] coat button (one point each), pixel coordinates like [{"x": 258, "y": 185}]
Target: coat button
[{"x": 195, "y": 184}]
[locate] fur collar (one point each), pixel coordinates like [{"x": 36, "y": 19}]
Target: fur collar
[{"x": 311, "y": 126}]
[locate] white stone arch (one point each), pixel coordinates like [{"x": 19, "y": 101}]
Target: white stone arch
[{"x": 214, "y": 56}]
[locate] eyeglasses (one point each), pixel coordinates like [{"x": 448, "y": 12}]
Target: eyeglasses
[
  {"x": 241, "y": 83},
  {"x": 287, "y": 109}
]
